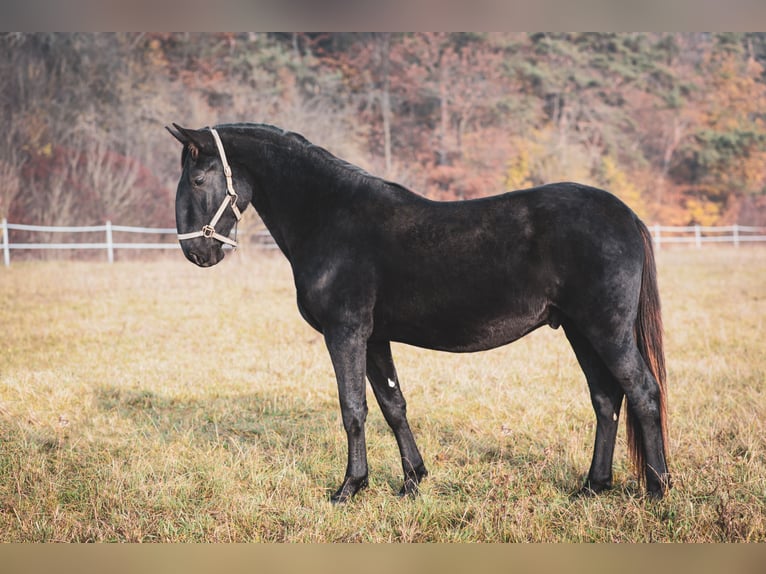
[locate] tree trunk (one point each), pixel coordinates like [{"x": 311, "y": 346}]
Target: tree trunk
[
  {"x": 385, "y": 97},
  {"x": 443, "y": 115}
]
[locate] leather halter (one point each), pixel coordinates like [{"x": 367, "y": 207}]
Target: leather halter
[{"x": 230, "y": 200}]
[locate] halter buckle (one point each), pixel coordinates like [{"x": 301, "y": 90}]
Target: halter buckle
[{"x": 208, "y": 231}]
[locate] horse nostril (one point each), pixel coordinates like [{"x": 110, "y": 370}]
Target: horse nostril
[{"x": 195, "y": 258}]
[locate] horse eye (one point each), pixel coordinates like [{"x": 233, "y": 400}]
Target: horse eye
[{"x": 199, "y": 180}]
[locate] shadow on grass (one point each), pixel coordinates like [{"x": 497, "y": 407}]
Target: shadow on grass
[
  {"x": 280, "y": 425},
  {"x": 280, "y": 429},
  {"x": 265, "y": 418},
  {"x": 527, "y": 465}
]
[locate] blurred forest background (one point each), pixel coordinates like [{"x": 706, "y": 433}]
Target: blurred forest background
[{"x": 675, "y": 124}]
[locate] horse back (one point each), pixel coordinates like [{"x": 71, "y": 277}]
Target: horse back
[{"x": 533, "y": 240}]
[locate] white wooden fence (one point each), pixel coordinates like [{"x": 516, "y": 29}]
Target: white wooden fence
[
  {"x": 662, "y": 234},
  {"x": 699, "y": 234},
  {"x": 109, "y": 244},
  {"x": 107, "y": 229}
]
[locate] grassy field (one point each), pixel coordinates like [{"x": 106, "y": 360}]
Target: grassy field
[{"x": 161, "y": 402}]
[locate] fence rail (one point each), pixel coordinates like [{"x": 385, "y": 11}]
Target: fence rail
[
  {"x": 699, "y": 234},
  {"x": 661, "y": 234},
  {"x": 108, "y": 244}
]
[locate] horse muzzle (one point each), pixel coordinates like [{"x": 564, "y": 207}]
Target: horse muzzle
[{"x": 204, "y": 255}]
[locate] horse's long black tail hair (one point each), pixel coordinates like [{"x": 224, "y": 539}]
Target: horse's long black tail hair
[{"x": 648, "y": 332}]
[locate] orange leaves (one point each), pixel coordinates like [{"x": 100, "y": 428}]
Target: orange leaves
[{"x": 673, "y": 123}]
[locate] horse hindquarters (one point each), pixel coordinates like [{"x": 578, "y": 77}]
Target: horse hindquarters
[{"x": 629, "y": 347}]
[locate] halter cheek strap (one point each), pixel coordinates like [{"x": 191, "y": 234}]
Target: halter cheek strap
[{"x": 230, "y": 200}]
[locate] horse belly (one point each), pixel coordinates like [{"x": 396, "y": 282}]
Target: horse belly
[{"x": 477, "y": 326}]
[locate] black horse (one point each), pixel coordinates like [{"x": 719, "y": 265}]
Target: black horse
[{"x": 374, "y": 263}]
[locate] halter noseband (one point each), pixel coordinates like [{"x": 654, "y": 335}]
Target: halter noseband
[{"x": 230, "y": 199}]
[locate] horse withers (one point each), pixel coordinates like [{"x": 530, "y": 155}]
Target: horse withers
[{"x": 374, "y": 263}]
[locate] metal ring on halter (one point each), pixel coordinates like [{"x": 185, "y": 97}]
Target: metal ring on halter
[{"x": 208, "y": 231}]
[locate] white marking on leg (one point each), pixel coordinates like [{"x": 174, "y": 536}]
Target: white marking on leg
[{"x": 391, "y": 383}]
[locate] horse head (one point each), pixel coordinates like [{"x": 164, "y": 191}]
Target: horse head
[{"x": 207, "y": 205}]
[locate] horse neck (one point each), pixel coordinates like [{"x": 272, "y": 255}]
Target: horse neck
[{"x": 292, "y": 189}]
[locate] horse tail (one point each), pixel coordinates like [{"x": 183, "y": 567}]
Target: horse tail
[{"x": 648, "y": 333}]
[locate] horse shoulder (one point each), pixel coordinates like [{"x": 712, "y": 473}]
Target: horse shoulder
[{"x": 337, "y": 286}]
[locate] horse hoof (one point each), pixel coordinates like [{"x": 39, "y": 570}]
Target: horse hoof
[
  {"x": 657, "y": 489},
  {"x": 348, "y": 489},
  {"x": 411, "y": 483},
  {"x": 409, "y": 489},
  {"x": 591, "y": 489}
]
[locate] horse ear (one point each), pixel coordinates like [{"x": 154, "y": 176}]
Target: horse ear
[
  {"x": 176, "y": 133},
  {"x": 200, "y": 139}
]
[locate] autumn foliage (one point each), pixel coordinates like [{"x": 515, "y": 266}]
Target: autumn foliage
[{"x": 672, "y": 123}]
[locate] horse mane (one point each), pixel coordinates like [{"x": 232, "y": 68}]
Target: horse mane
[{"x": 280, "y": 137}]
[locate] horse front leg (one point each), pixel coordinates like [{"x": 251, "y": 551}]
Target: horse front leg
[
  {"x": 347, "y": 349},
  {"x": 385, "y": 384}
]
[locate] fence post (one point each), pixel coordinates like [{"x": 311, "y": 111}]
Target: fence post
[
  {"x": 697, "y": 236},
  {"x": 109, "y": 244},
  {"x": 657, "y": 238},
  {"x": 6, "y": 249},
  {"x": 735, "y": 230}
]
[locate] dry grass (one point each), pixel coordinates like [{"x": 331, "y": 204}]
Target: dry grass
[{"x": 160, "y": 402}]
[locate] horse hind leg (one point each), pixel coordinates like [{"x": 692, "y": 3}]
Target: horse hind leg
[
  {"x": 645, "y": 409},
  {"x": 606, "y": 397},
  {"x": 385, "y": 384}
]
